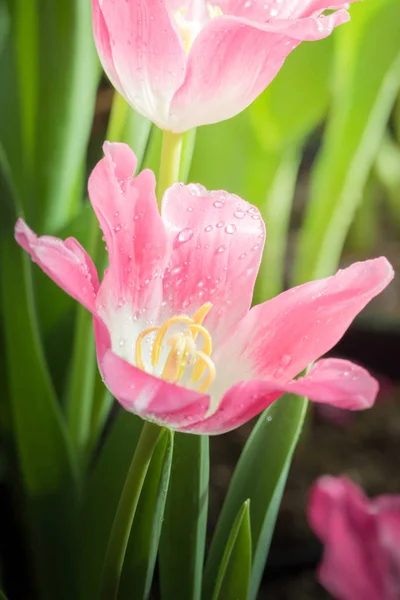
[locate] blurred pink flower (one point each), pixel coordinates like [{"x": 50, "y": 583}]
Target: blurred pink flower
[
  {"x": 176, "y": 341},
  {"x": 361, "y": 538},
  {"x": 185, "y": 63}
]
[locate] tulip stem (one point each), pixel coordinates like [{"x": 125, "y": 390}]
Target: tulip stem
[
  {"x": 125, "y": 513},
  {"x": 170, "y": 161}
]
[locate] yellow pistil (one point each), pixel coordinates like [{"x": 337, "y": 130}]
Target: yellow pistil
[{"x": 183, "y": 353}]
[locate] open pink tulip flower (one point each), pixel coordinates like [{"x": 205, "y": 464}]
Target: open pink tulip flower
[
  {"x": 185, "y": 63},
  {"x": 177, "y": 342},
  {"x": 361, "y": 538}
]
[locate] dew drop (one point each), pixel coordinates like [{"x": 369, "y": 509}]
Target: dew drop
[
  {"x": 242, "y": 256},
  {"x": 269, "y": 418},
  {"x": 239, "y": 214},
  {"x": 220, "y": 224},
  {"x": 278, "y": 373},
  {"x": 190, "y": 208},
  {"x": 220, "y": 249},
  {"x": 208, "y": 228},
  {"x": 286, "y": 359},
  {"x": 184, "y": 236},
  {"x": 230, "y": 229}
]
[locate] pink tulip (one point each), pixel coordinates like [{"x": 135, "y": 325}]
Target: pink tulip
[
  {"x": 361, "y": 538},
  {"x": 185, "y": 63},
  {"x": 176, "y": 341}
]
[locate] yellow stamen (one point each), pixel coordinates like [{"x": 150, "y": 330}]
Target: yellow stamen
[
  {"x": 199, "y": 367},
  {"x": 173, "y": 362},
  {"x": 211, "y": 368},
  {"x": 138, "y": 349},
  {"x": 183, "y": 351},
  {"x": 155, "y": 355},
  {"x": 202, "y": 312}
]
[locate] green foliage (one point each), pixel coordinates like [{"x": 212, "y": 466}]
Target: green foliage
[
  {"x": 233, "y": 578},
  {"x": 140, "y": 559},
  {"x": 184, "y": 527},
  {"x": 101, "y": 499},
  {"x": 366, "y": 87},
  {"x": 260, "y": 476},
  {"x": 45, "y": 458}
]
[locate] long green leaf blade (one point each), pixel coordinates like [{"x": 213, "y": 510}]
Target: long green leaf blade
[
  {"x": 260, "y": 475},
  {"x": 101, "y": 500},
  {"x": 68, "y": 72},
  {"x": 234, "y": 574},
  {"x": 368, "y": 82},
  {"x": 142, "y": 549},
  {"x": 184, "y": 527},
  {"x": 44, "y": 452}
]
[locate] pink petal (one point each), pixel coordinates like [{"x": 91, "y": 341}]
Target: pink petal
[
  {"x": 145, "y": 53},
  {"x": 331, "y": 381},
  {"x": 233, "y": 60},
  {"x": 217, "y": 241},
  {"x": 279, "y": 338},
  {"x": 356, "y": 563},
  {"x": 259, "y": 10},
  {"x": 65, "y": 262},
  {"x": 103, "y": 44},
  {"x": 149, "y": 397},
  {"x": 339, "y": 383},
  {"x": 136, "y": 241}
]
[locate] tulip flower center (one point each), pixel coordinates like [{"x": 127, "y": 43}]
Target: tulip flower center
[
  {"x": 192, "y": 18},
  {"x": 184, "y": 358}
]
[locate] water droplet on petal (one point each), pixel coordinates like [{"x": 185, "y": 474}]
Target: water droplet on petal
[
  {"x": 220, "y": 224},
  {"x": 278, "y": 373},
  {"x": 286, "y": 359},
  {"x": 208, "y": 228},
  {"x": 220, "y": 249},
  {"x": 218, "y": 204},
  {"x": 239, "y": 214},
  {"x": 230, "y": 229},
  {"x": 184, "y": 236},
  {"x": 242, "y": 256}
]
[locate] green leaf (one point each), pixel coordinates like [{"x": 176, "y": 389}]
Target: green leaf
[
  {"x": 2, "y": 596},
  {"x": 234, "y": 574},
  {"x": 188, "y": 145},
  {"x": 4, "y": 22},
  {"x": 44, "y": 453},
  {"x": 260, "y": 476},
  {"x": 184, "y": 527},
  {"x": 68, "y": 74},
  {"x": 387, "y": 170},
  {"x": 367, "y": 85},
  {"x": 128, "y": 126},
  {"x": 142, "y": 549},
  {"x": 281, "y": 169},
  {"x": 11, "y": 121},
  {"x": 101, "y": 499},
  {"x": 296, "y": 100}
]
